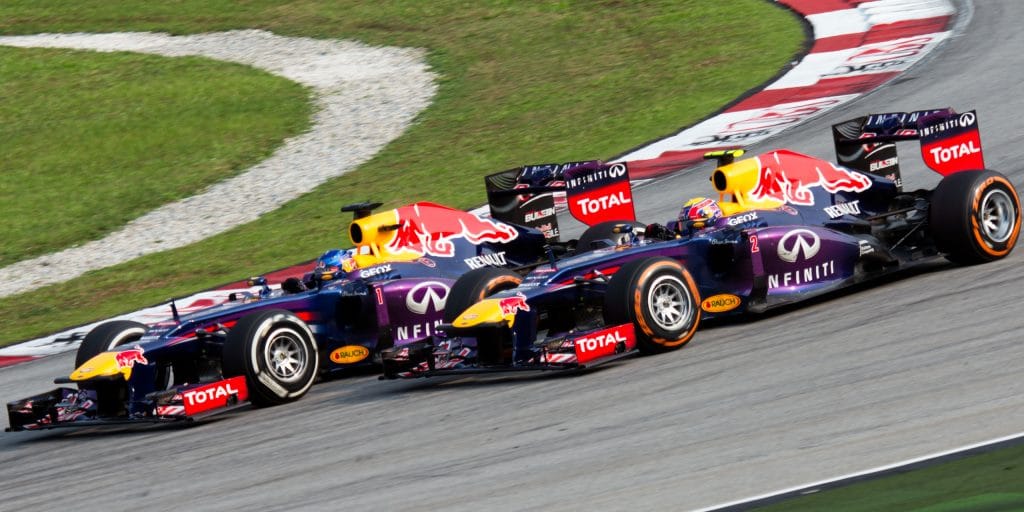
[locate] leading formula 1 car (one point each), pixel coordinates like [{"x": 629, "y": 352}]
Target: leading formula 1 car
[
  {"x": 785, "y": 227},
  {"x": 269, "y": 347}
]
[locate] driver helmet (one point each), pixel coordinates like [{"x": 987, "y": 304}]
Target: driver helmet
[
  {"x": 699, "y": 212},
  {"x": 335, "y": 260}
]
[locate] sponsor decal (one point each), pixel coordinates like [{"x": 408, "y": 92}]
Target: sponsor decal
[
  {"x": 943, "y": 154},
  {"x": 549, "y": 230},
  {"x": 416, "y": 331},
  {"x": 604, "y": 343},
  {"x": 804, "y": 275},
  {"x": 839, "y": 209},
  {"x": 429, "y": 230},
  {"x": 128, "y": 358},
  {"x": 427, "y": 295},
  {"x": 865, "y": 247},
  {"x": 788, "y": 176},
  {"x": 510, "y": 305},
  {"x": 878, "y": 165},
  {"x": 349, "y": 354},
  {"x": 743, "y": 219},
  {"x": 374, "y": 271},
  {"x": 214, "y": 395},
  {"x": 720, "y": 303},
  {"x": 591, "y": 206},
  {"x": 496, "y": 259},
  {"x": 951, "y": 142},
  {"x": 789, "y": 209},
  {"x": 798, "y": 243},
  {"x": 600, "y": 195},
  {"x": 427, "y": 262},
  {"x": 537, "y": 215}
]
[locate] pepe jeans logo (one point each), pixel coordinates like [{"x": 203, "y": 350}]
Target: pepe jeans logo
[
  {"x": 799, "y": 242},
  {"x": 427, "y": 294}
]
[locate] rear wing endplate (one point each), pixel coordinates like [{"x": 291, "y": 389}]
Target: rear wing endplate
[
  {"x": 950, "y": 142},
  {"x": 592, "y": 191}
]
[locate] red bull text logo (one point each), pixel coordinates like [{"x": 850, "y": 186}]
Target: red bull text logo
[
  {"x": 789, "y": 176},
  {"x": 510, "y": 305},
  {"x": 128, "y": 358},
  {"x": 428, "y": 229}
]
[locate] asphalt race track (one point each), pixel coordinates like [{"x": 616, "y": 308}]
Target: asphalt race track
[{"x": 911, "y": 367}]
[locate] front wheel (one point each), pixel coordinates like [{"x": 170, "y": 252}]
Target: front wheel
[
  {"x": 660, "y": 298},
  {"x": 975, "y": 216},
  {"x": 277, "y": 354},
  {"x": 106, "y": 337}
]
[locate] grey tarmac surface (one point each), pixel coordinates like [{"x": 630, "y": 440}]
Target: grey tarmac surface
[{"x": 900, "y": 370}]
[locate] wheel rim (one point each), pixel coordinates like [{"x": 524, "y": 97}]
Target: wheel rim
[
  {"x": 286, "y": 355},
  {"x": 997, "y": 216},
  {"x": 670, "y": 303}
]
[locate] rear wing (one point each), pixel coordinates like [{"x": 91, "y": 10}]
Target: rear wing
[
  {"x": 950, "y": 142},
  {"x": 592, "y": 191}
]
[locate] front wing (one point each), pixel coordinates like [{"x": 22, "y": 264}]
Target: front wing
[{"x": 69, "y": 407}]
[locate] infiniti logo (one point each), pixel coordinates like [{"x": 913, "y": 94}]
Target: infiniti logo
[
  {"x": 427, "y": 293},
  {"x": 797, "y": 242},
  {"x": 966, "y": 119}
]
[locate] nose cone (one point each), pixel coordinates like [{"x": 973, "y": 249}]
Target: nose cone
[
  {"x": 487, "y": 311},
  {"x": 101, "y": 365}
]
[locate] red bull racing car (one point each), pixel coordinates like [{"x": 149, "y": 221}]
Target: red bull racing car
[
  {"x": 784, "y": 227},
  {"x": 268, "y": 347}
]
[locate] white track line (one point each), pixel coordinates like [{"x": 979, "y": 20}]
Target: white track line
[{"x": 879, "y": 469}]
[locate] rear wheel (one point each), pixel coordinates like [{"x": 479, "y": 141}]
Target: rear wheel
[
  {"x": 660, "y": 298},
  {"x": 975, "y": 216},
  {"x": 476, "y": 285},
  {"x": 277, "y": 354}
]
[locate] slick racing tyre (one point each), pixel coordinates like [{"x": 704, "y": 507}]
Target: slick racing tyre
[
  {"x": 107, "y": 336},
  {"x": 277, "y": 354},
  {"x": 609, "y": 232},
  {"x": 975, "y": 216},
  {"x": 660, "y": 298},
  {"x": 476, "y": 285}
]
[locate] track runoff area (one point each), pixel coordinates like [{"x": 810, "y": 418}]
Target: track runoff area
[{"x": 857, "y": 47}]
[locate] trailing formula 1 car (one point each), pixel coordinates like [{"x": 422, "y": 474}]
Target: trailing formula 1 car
[
  {"x": 268, "y": 347},
  {"x": 785, "y": 227}
]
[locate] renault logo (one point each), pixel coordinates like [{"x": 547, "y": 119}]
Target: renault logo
[
  {"x": 425, "y": 294},
  {"x": 798, "y": 242}
]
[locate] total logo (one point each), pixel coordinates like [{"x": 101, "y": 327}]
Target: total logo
[
  {"x": 375, "y": 271},
  {"x": 202, "y": 395},
  {"x": 592, "y": 206},
  {"x": 743, "y": 219},
  {"x": 943, "y": 155},
  {"x": 604, "y": 343},
  {"x": 798, "y": 243},
  {"x": 427, "y": 295}
]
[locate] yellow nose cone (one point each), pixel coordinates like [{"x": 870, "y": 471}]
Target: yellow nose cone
[
  {"x": 487, "y": 311},
  {"x": 101, "y": 365}
]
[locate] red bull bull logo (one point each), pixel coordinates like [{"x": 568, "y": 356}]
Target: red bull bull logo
[
  {"x": 430, "y": 230},
  {"x": 510, "y": 305},
  {"x": 789, "y": 176},
  {"x": 128, "y": 358}
]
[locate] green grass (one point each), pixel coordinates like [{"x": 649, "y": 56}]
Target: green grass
[
  {"x": 93, "y": 140},
  {"x": 520, "y": 82},
  {"x": 987, "y": 481}
]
